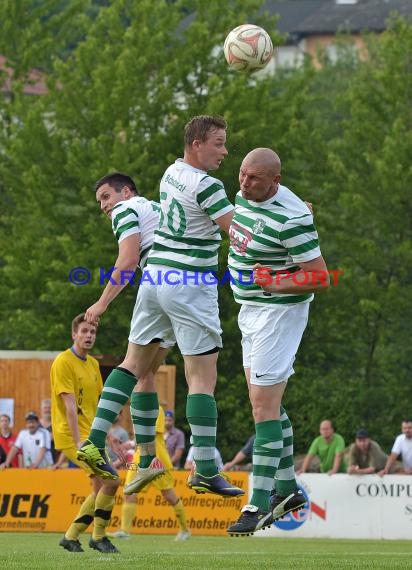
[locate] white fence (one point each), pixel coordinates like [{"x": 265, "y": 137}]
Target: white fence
[{"x": 350, "y": 506}]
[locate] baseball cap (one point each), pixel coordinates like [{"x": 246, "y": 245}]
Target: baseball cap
[
  {"x": 169, "y": 414},
  {"x": 31, "y": 416},
  {"x": 362, "y": 434}
]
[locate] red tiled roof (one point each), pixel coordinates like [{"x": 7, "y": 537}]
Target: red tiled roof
[{"x": 34, "y": 86}]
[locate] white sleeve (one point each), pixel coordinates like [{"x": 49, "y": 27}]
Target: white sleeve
[
  {"x": 219, "y": 461},
  {"x": 190, "y": 454},
  {"x": 397, "y": 446},
  {"x": 19, "y": 440}
]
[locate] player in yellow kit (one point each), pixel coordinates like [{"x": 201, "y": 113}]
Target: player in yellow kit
[
  {"x": 164, "y": 483},
  {"x": 76, "y": 384}
]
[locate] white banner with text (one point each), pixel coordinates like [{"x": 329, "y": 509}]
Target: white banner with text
[{"x": 350, "y": 506}]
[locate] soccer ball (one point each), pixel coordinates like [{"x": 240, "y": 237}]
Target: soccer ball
[{"x": 248, "y": 48}]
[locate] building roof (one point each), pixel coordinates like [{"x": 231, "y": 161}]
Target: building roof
[
  {"x": 34, "y": 85},
  {"x": 314, "y": 17}
]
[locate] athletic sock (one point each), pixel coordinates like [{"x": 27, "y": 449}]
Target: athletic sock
[
  {"x": 83, "y": 518},
  {"x": 145, "y": 409},
  {"x": 180, "y": 514},
  {"x": 128, "y": 512},
  {"x": 267, "y": 449},
  {"x": 201, "y": 413},
  {"x": 116, "y": 391},
  {"x": 102, "y": 514},
  {"x": 285, "y": 482}
]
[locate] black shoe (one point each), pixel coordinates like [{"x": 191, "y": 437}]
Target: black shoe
[
  {"x": 71, "y": 545},
  {"x": 217, "y": 484},
  {"x": 103, "y": 545},
  {"x": 251, "y": 520},
  {"x": 280, "y": 506}
]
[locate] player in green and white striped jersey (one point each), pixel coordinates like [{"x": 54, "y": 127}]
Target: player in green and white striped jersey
[
  {"x": 273, "y": 228},
  {"x": 134, "y": 220},
  {"x": 194, "y": 208},
  {"x": 279, "y": 235},
  {"x": 188, "y": 236}
]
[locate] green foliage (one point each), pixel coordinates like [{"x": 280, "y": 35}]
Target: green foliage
[{"x": 123, "y": 78}]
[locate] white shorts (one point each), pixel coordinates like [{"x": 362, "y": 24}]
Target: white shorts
[
  {"x": 185, "y": 312},
  {"x": 270, "y": 340}
]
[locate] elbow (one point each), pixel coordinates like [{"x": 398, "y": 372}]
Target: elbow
[
  {"x": 323, "y": 285},
  {"x": 327, "y": 282},
  {"x": 133, "y": 262}
]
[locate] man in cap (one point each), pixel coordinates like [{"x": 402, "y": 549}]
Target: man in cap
[
  {"x": 365, "y": 455},
  {"x": 34, "y": 443}
]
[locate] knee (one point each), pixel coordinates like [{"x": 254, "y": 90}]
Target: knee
[{"x": 111, "y": 487}]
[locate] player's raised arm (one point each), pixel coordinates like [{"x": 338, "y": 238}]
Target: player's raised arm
[{"x": 124, "y": 268}]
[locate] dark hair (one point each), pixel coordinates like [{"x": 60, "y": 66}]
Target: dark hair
[
  {"x": 199, "y": 127},
  {"x": 118, "y": 181},
  {"x": 5, "y": 416},
  {"x": 76, "y": 322}
]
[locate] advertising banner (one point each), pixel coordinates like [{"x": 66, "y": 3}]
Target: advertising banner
[
  {"x": 44, "y": 500},
  {"x": 339, "y": 506},
  {"x": 350, "y": 506}
]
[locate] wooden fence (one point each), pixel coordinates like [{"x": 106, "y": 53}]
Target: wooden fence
[{"x": 25, "y": 378}]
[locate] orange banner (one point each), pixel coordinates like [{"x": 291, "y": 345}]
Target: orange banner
[{"x": 43, "y": 500}]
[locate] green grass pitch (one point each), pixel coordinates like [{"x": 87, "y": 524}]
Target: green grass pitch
[{"x": 32, "y": 550}]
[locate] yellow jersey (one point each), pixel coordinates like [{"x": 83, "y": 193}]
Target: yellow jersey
[{"x": 71, "y": 374}]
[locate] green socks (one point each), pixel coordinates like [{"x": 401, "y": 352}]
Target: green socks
[
  {"x": 116, "y": 392},
  {"x": 201, "y": 413}
]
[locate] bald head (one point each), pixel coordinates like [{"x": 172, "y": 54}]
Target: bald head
[
  {"x": 259, "y": 174},
  {"x": 264, "y": 157},
  {"x": 326, "y": 430}
]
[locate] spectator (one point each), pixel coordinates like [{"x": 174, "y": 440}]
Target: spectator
[
  {"x": 365, "y": 455},
  {"x": 245, "y": 453},
  {"x": 174, "y": 439},
  {"x": 329, "y": 447},
  {"x": 34, "y": 442},
  {"x": 46, "y": 423},
  {"x": 7, "y": 439},
  {"x": 401, "y": 448},
  {"x": 116, "y": 437}
]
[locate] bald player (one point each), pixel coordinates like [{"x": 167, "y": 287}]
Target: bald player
[{"x": 272, "y": 231}]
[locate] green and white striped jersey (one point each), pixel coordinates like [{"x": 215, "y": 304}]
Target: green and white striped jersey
[
  {"x": 279, "y": 234},
  {"x": 188, "y": 237},
  {"x": 136, "y": 216}
]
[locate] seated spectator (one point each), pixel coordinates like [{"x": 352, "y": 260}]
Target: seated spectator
[
  {"x": 174, "y": 439},
  {"x": 7, "y": 439},
  {"x": 401, "y": 448},
  {"x": 34, "y": 443},
  {"x": 329, "y": 447},
  {"x": 365, "y": 455},
  {"x": 243, "y": 454}
]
